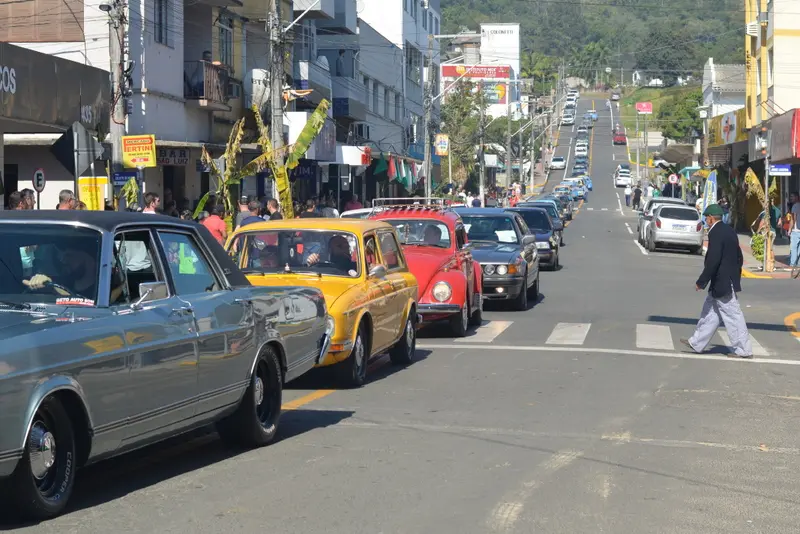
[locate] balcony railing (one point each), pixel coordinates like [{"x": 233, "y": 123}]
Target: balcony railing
[{"x": 206, "y": 83}]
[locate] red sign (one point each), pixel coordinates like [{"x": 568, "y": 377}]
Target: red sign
[
  {"x": 476, "y": 71},
  {"x": 645, "y": 108},
  {"x": 366, "y": 156}
]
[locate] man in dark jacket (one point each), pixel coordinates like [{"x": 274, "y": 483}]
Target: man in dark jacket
[{"x": 723, "y": 274}]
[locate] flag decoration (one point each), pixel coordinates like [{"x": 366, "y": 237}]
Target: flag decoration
[
  {"x": 392, "y": 172},
  {"x": 381, "y": 166}
]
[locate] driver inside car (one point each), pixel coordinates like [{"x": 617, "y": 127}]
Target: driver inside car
[
  {"x": 339, "y": 254},
  {"x": 432, "y": 236}
]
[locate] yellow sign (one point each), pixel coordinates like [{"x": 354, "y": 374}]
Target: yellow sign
[
  {"x": 139, "y": 151},
  {"x": 442, "y": 145},
  {"x": 727, "y": 129},
  {"x": 92, "y": 191}
]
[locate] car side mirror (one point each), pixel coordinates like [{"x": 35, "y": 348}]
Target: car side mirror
[
  {"x": 379, "y": 271},
  {"x": 150, "y": 291},
  {"x": 528, "y": 240},
  {"x": 558, "y": 226}
]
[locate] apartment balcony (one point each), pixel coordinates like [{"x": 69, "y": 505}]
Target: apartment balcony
[
  {"x": 206, "y": 85},
  {"x": 324, "y": 9},
  {"x": 345, "y": 19},
  {"x": 311, "y": 75},
  {"x": 349, "y": 97}
]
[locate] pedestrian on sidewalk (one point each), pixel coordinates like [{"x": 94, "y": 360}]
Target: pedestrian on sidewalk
[
  {"x": 637, "y": 197},
  {"x": 722, "y": 272},
  {"x": 794, "y": 230},
  {"x": 628, "y": 192}
]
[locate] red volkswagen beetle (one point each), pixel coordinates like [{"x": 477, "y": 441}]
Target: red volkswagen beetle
[{"x": 435, "y": 245}]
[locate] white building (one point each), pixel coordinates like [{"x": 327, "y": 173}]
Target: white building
[{"x": 723, "y": 87}]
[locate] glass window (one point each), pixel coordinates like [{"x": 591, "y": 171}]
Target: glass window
[
  {"x": 436, "y": 22},
  {"x": 366, "y": 90},
  {"x": 387, "y": 98},
  {"x": 522, "y": 226},
  {"x": 133, "y": 254},
  {"x": 49, "y": 264},
  {"x": 161, "y": 22},
  {"x": 320, "y": 252},
  {"x": 490, "y": 229},
  {"x": 376, "y": 91},
  {"x": 189, "y": 269},
  {"x": 461, "y": 238},
  {"x": 421, "y": 232},
  {"x": 390, "y": 251},
  {"x": 226, "y": 41},
  {"x": 537, "y": 221},
  {"x": 425, "y": 22},
  {"x": 370, "y": 253},
  {"x": 679, "y": 214},
  {"x": 430, "y": 21}
]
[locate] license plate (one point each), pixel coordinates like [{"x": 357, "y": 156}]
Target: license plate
[{"x": 680, "y": 227}]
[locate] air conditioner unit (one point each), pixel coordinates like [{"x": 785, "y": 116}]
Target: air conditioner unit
[
  {"x": 752, "y": 29},
  {"x": 234, "y": 89},
  {"x": 361, "y": 130}
]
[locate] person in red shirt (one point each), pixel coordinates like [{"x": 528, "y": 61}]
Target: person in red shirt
[
  {"x": 216, "y": 225},
  {"x": 353, "y": 204}
]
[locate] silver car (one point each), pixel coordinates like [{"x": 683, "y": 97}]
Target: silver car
[
  {"x": 646, "y": 214},
  {"x": 123, "y": 329},
  {"x": 675, "y": 226}
]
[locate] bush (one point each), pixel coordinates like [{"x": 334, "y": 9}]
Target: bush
[{"x": 757, "y": 247}]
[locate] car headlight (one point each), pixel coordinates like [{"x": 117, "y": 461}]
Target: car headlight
[
  {"x": 502, "y": 269},
  {"x": 442, "y": 291},
  {"x": 542, "y": 245},
  {"x": 488, "y": 269}
]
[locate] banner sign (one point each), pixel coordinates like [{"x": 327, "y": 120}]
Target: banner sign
[
  {"x": 495, "y": 93},
  {"x": 442, "y": 145},
  {"x": 92, "y": 191},
  {"x": 727, "y": 129},
  {"x": 139, "y": 151},
  {"x": 710, "y": 191},
  {"x": 487, "y": 72}
]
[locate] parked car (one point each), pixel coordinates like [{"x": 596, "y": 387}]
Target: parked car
[
  {"x": 676, "y": 226},
  {"x": 622, "y": 178},
  {"x": 594, "y": 115},
  {"x": 581, "y": 150},
  {"x": 122, "y": 329},
  {"x": 361, "y": 270},
  {"x": 583, "y": 131},
  {"x": 581, "y": 159},
  {"x": 553, "y": 211},
  {"x": 541, "y": 225},
  {"x": 361, "y": 213},
  {"x": 506, "y": 253},
  {"x": 564, "y": 204},
  {"x": 558, "y": 162},
  {"x": 646, "y": 214},
  {"x": 439, "y": 255},
  {"x": 620, "y": 139}
]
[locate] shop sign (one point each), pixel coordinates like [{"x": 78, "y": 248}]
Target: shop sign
[
  {"x": 139, "y": 151},
  {"x": 92, "y": 191},
  {"x": 306, "y": 169},
  {"x": 487, "y": 72},
  {"x": 173, "y": 156},
  {"x": 781, "y": 145},
  {"x": 780, "y": 170},
  {"x": 727, "y": 129}
]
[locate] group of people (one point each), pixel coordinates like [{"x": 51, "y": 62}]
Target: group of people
[{"x": 26, "y": 200}]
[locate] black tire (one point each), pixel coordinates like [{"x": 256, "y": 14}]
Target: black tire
[
  {"x": 402, "y": 353},
  {"x": 651, "y": 245},
  {"x": 556, "y": 262},
  {"x": 460, "y": 321},
  {"x": 41, "y": 491},
  {"x": 533, "y": 292},
  {"x": 352, "y": 373},
  {"x": 476, "y": 319},
  {"x": 521, "y": 302},
  {"x": 255, "y": 421},
  {"x": 698, "y": 250}
]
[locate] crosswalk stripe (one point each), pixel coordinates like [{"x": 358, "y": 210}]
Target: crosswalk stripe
[
  {"x": 569, "y": 334},
  {"x": 654, "y": 336},
  {"x": 758, "y": 350},
  {"x": 589, "y": 209},
  {"x": 486, "y": 333}
]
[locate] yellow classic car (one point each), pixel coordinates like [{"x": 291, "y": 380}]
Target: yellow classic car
[{"x": 359, "y": 266}]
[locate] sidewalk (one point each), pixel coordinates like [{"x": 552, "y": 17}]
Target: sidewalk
[{"x": 753, "y": 268}]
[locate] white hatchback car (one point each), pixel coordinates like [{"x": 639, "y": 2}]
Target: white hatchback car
[
  {"x": 676, "y": 226},
  {"x": 646, "y": 214}
]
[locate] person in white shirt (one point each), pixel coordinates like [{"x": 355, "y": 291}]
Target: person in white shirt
[
  {"x": 649, "y": 190},
  {"x": 794, "y": 230},
  {"x": 628, "y": 192}
]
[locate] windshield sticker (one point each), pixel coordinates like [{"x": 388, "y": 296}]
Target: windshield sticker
[
  {"x": 506, "y": 236},
  {"x": 74, "y": 301}
]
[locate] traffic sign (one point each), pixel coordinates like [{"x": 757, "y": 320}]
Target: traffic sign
[
  {"x": 38, "y": 180},
  {"x": 673, "y": 178},
  {"x": 644, "y": 108}
]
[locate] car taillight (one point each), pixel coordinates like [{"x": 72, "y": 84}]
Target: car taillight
[
  {"x": 658, "y": 223},
  {"x": 699, "y": 226}
]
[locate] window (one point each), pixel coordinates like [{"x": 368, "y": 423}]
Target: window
[
  {"x": 423, "y": 232},
  {"x": 226, "y": 41},
  {"x": 413, "y": 64},
  {"x": 461, "y": 237},
  {"x": 430, "y": 21},
  {"x": 191, "y": 274},
  {"x": 770, "y": 67},
  {"x": 366, "y": 90},
  {"x": 436, "y": 23},
  {"x": 390, "y": 251},
  {"x": 398, "y": 112},
  {"x": 161, "y": 21},
  {"x": 370, "y": 253},
  {"x": 376, "y": 92},
  {"x": 387, "y": 97},
  {"x": 133, "y": 254},
  {"x": 425, "y": 22}
]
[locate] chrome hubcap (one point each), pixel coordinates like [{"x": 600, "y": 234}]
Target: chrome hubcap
[
  {"x": 359, "y": 352},
  {"x": 259, "y": 391},
  {"x": 409, "y": 334},
  {"x": 42, "y": 450}
]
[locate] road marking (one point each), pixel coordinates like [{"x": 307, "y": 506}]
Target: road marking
[
  {"x": 628, "y": 228},
  {"x": 791, "y": 324},
  {"x": 486, "y": 333},
  {"x": 617, "y": 194},
  {"x": 506, "y": 514},
  {"x": 569, "y": 334},
  {"x": 305, "y": 399},
  {"x": 758, "y": 350},
  {"x": 621, "y": 352},
  {"x": 654, "y": 336},
  {"x": 603, "y": 209},
  {"x": 613, "y": 157},
  {"x": 589, "y": 209},
  {"x": 749, "y": 274},
  {"x": 641, "y": 248}
]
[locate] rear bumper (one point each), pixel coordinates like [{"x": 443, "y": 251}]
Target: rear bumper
[{"x": 678, "y": 238}]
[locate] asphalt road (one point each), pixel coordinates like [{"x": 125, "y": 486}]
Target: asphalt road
[{"x": 580, "y": 415}]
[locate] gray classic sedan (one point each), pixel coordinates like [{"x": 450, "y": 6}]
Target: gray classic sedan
[{"x": 118, "y": 330}]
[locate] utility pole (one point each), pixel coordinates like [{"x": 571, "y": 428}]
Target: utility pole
[
  {"x": 427, "y": 104},
  {"x": 481, "y": 157},
  {"x": 509, "y": 173},
  {"x": 119, "y": 87},
  {"x": 638, "y": 168},
  {"x": 646, "y": 149},
  {"x": 276, "y": 80},
  {"x": 533, "y": 157}
]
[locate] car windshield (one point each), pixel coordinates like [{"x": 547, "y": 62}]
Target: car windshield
[
  {"x": 421, "y": 232},
  {"x": 49, "y": 264},
  {"x": 299, "y": 251},
  {"x": 537, "y": 220},
  {"x": 559, "y": 159},
  {"x": 679, "y": 214},
  {"x": 551, "y": 209},
  {"x": 497, "y": 229}
]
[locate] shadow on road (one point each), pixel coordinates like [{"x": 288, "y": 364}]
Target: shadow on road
[{"x": 693, "y": 321}]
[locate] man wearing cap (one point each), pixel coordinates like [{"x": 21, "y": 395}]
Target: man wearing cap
[
  {"x": 244, "y": 211},
  {"x": 722, "y": 273}
]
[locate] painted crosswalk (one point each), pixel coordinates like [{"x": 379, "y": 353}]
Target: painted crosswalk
[{"x": 644, "y": 336}]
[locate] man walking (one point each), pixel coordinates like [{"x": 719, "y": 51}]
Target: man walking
[
  {"x": 628, "y": 192},
  {"x": 794, "y": 230},
  {"x": 637, "y": 197},
  {"x": 722, "y": 273}
]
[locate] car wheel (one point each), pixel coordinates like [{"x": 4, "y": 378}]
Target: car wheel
[
  {"x": 460, "y": 322},
  {"x": 45, "y": 476},
  {"x": 403, "y": 351},
  {"x": 651, "y": 244},
  {"x": 698, "y": 250},
  {"x": 255, "y": 422},
  {"x": 521, "y": 302},
  {"x": 477, "y": 316},
  {"x": 556, "y": 262},
  {"x": 533, "y": 292},
  {"x": 352, "y": 372}
]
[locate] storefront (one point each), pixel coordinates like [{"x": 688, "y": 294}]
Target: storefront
[{"x": 785, "y": 154}]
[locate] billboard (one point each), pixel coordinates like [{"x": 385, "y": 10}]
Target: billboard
[
  {"x": 727, "y": 129},
  {"x": 644, "y": 108},
  {"x": 490, "y": 72},
  {"x": 500, "y": 45},
  {"x": 496, "y": 93}
]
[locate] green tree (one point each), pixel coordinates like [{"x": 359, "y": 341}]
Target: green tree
[
  {"x": 666, "y": 54},
  {"x": 459, "y": 120},
  {"x": 679, "y": 118}
]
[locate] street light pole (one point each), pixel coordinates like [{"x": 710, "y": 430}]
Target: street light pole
[{"x": 428, "y": 103}]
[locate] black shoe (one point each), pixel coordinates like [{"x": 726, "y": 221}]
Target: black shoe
[{"x": 688, "y": 345}]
